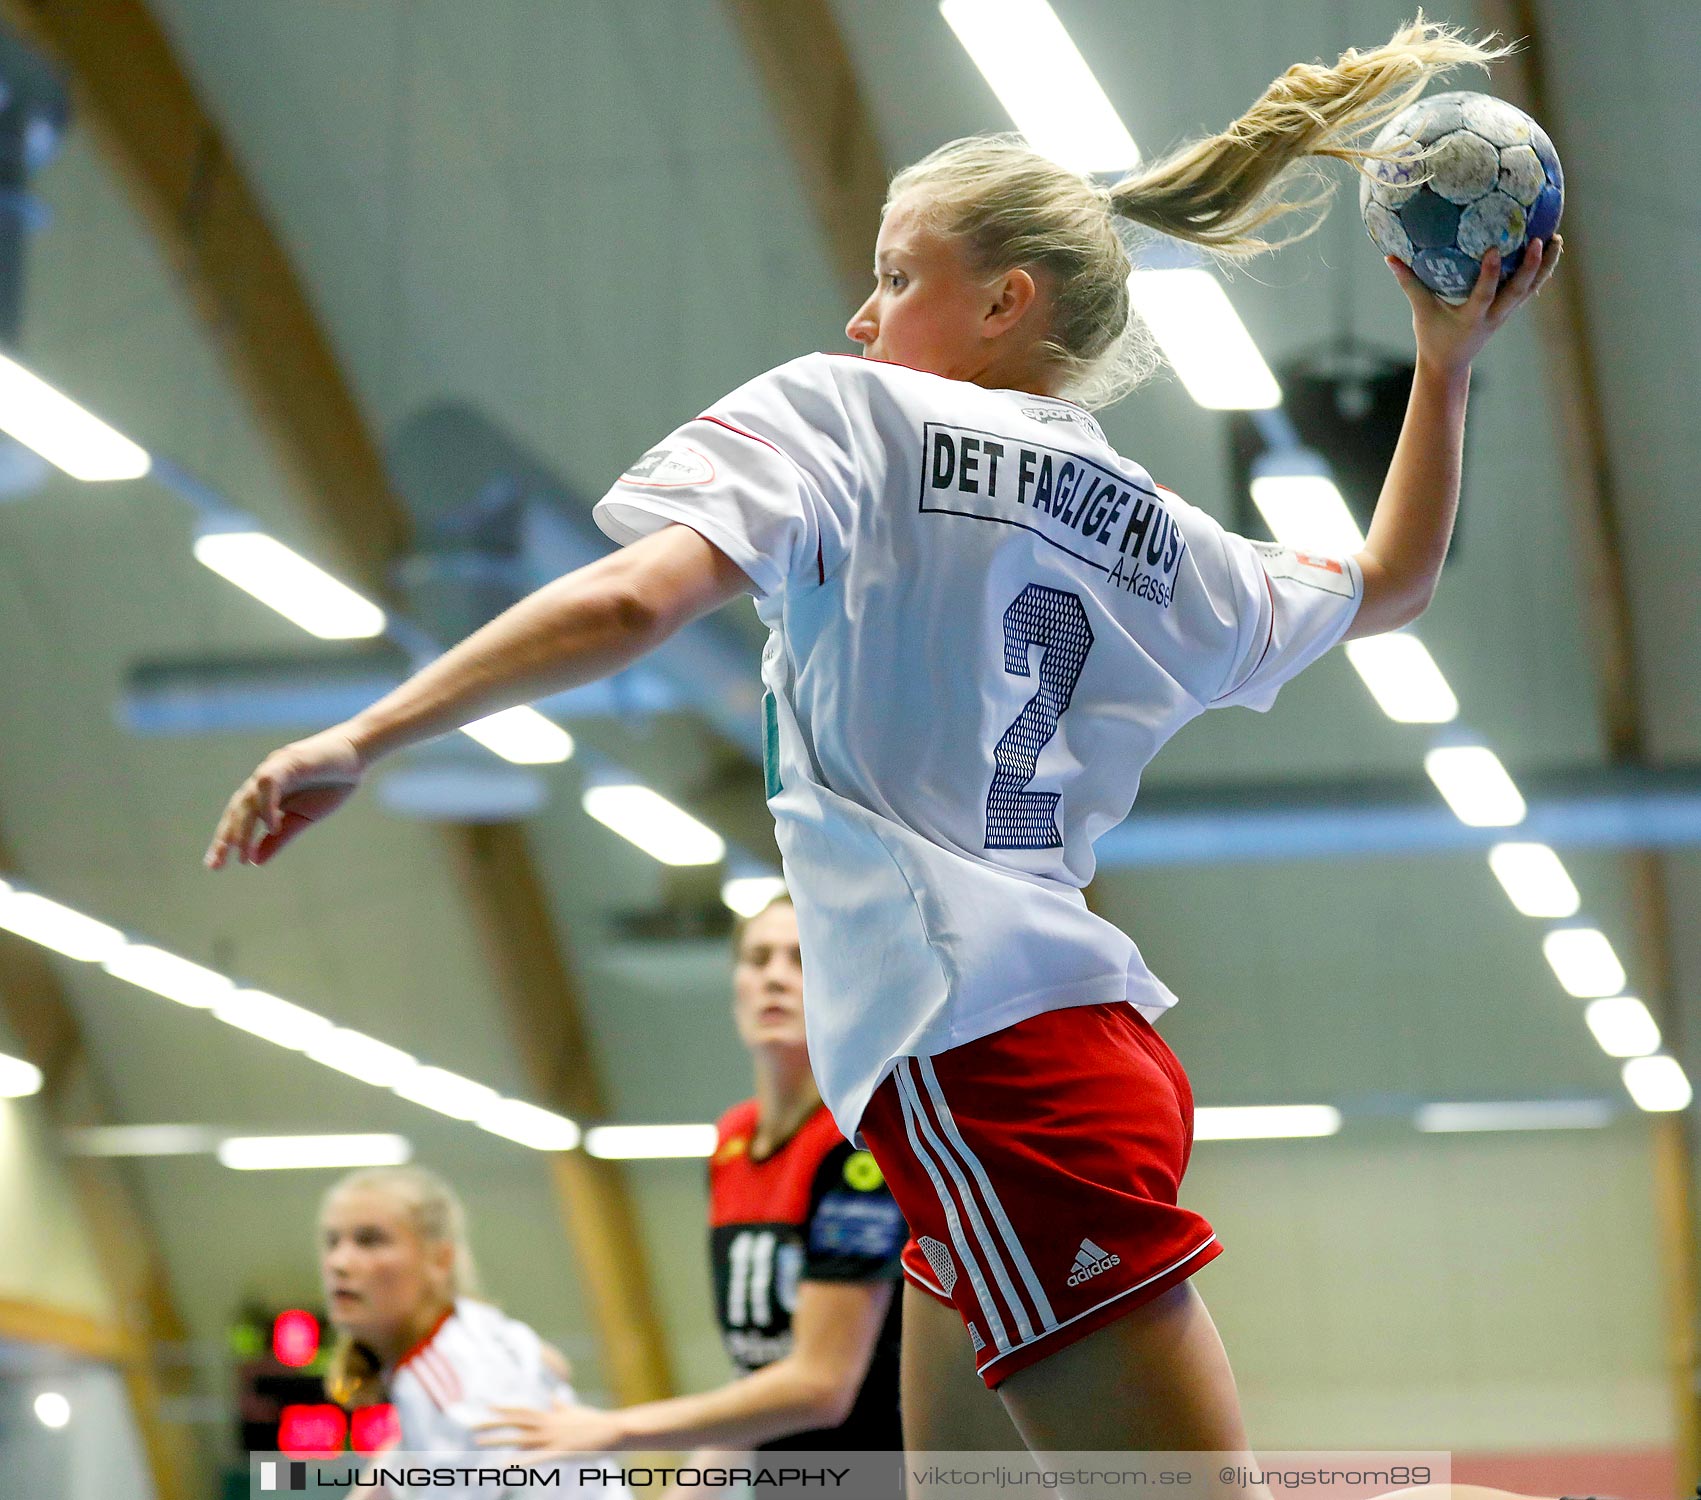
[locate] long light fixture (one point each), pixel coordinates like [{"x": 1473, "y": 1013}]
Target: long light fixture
[
  {"x": 746, "y": 895},
  {"x": 274, "y": 1153},
  {"x": 522, "y": 735},
  {"x": 1657, "y": 1084},
  {"x": 1308, "y": 511},
  {"x": 363, "y": 1057},
  {"x": 1623, "y": 1027},
  {"x": 143, "y": 1140},
  {"x": 287, "y": 582},
  {"x": 1204, "y": 340},
  {"x": 18, "y": 1079},
  {"x": 1583, "y": 961},
  {"x": 1515, "y": 1114},
  {"x": 541, "y": 1129},
  {"x": 1475, "y": 785},
  {"x": 166, "y": 974},
  {"x": 1034, "y": 67},
  {"x": 280, "y": 1022},
  {"x": 57, "y": 927},
  {"x": 63, "y": 433},
  {"x": 646, "y": 818},
  {"x": 641, "y": 1142},
  {"x": 1403, "y": 678},
  {"x": 1534, "y": 879},
  {"x": 1264, "y": 1122},
  {"x": 448, "y": 1093}
]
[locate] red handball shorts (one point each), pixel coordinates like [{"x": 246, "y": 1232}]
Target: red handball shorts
[{"x": 1038, "y": 1169}]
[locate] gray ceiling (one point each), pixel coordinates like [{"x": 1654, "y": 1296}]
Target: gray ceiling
[{"x": 581, "y": 219}]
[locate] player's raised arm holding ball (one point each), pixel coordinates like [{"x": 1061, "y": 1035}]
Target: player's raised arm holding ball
[{"x": 986, "y": 622}]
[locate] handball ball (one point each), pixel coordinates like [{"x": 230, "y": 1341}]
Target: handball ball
[{"x": 1469, "y": 174}]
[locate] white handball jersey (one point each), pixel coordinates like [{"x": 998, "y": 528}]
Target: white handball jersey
[
  {"x": 985, "y": 621},
  {"x": 476, "y": 1359}
]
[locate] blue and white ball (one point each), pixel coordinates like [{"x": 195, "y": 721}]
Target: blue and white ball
[{"x": 1469, "y": 174}]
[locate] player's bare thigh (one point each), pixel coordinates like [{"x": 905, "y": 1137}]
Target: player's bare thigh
[{"x": 946, "y": 1406}]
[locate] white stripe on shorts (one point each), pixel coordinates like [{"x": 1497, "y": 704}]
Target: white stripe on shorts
[
  {"x": 983, "y": 1237},
  {"x": 954, "y": 1225},
  {"x": 1017, "y": 1254}
]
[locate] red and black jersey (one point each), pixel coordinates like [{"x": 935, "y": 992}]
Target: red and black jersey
[{"x": 816, "y": 1209}]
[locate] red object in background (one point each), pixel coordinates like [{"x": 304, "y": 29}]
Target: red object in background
[
  {"x": 306, "y": 1431},
  {"x": 372, "y": 1429},
  {"x": 295, "y": 1338}
]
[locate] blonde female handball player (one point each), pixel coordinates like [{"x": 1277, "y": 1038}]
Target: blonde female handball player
[
  {"x": 984, "y": 623},
  {"x": 399, "y": 1282}
]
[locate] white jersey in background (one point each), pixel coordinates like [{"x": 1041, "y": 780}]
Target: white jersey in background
[
  {"x": 985, "y": 622},
  {"x": 477, "y": 1358}
]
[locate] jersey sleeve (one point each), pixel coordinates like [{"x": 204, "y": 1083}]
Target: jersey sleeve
[
  {"x": 1289, "y": 607},
  {"x": 856, "y": 1230},
  {"x": 768, "y": 474}
]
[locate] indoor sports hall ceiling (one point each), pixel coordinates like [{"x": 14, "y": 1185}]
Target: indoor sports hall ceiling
[{"x": 582, "y": 221}]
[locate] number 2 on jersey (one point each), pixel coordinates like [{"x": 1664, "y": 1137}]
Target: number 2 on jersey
[{"x": 1057, "y": 623}]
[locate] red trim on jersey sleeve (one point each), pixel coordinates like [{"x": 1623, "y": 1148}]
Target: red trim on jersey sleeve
[{"x": 722, "y": 422}]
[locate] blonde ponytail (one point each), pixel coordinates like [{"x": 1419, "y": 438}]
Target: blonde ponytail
[
  {"x": 1219, "y": 192},
  {"x": 354, "y": 1374}
]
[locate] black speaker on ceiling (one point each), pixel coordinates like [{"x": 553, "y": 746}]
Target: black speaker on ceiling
[{"x": 1346, "y": 401}]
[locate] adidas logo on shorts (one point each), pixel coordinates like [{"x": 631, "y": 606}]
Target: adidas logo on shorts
[{"x": 1091, "y": 1260}]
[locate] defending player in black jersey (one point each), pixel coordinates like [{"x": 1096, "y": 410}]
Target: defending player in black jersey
[{"x": 805, "y": 1240}]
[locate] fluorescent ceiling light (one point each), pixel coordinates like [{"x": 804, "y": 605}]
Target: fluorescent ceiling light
[
  {"x": 58, "y": 927},
  {"x": 1584, "y": 961},
  {"x": 448, "y": 1093},
  {"x": 18, "y": 1079},
  {"x": 362, "y": 1057},
  {"x": 285, "y": 581},
  {"x": 274, "y": 1153},
  {"x": 52, "y": 1409},
  {"x": 655, "y": 825},
  {"x": 749, "y": 894},
  {"x": 1402, "y": 677},
  {"x": 63, "y": 433},
  {"x": 522, "y": 735},
  {"x": 1657, "y": 1084},
  {"x": 540, "y": 1129},
  {"x": 641, "y": 1142},
  {"x": 143, "y": 1140},
  {"x": 1534, "y": 878},
  {"x": 1308, "y": 512},
  {"x": 1263, "y": 1122},
  {"x": 1622, "y": 1026},
  {"x": 1515, "y": 1114},
  {"x": 1036, "y": 70},
  {"x": 166, "y": 974},
  {"x": 1475, "y": 785},
  {"x": 1204, "y": 340},
  {"x": 275, "y": 1020}
]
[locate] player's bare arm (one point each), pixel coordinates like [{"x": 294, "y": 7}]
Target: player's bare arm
[
  {"x": 1413, "y": 522},
  {"x": 584, "y": 626},
  {"x": 834, "y": 1329}
]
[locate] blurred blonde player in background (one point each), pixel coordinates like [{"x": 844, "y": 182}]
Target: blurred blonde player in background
[{"x": 401, "y": 1290}]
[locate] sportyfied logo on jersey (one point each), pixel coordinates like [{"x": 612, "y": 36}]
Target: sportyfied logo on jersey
[
  {"x": 1102, "y": 517},
  {"x": 1050, "y": 414},
  {"x": 670, "y": 468}
]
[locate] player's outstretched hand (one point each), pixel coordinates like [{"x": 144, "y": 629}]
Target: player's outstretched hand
[
  {"x": 1448, "y": 337},
  {"x": 290, "y": 790},
  {"x": 563, "y": 1428}
]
